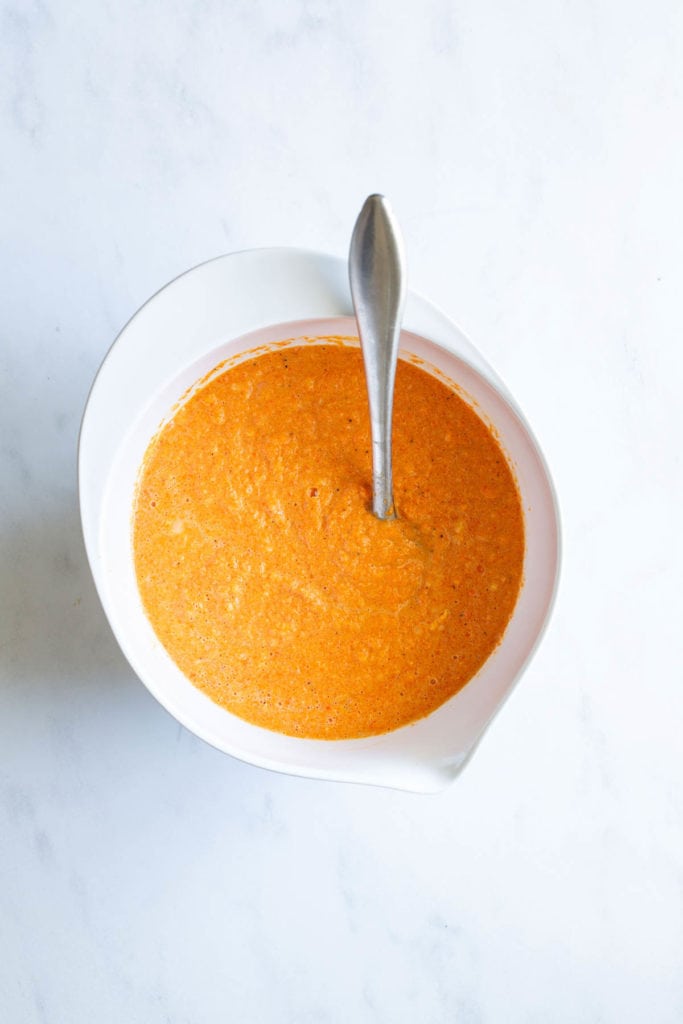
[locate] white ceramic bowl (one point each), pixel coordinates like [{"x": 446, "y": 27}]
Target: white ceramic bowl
[{"x": 221, "y": 309}]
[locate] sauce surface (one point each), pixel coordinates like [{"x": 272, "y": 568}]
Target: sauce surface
[{"x": 269, "y": 581}]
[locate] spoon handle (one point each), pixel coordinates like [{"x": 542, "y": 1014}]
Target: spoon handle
[{"x": 377, "y": 277}]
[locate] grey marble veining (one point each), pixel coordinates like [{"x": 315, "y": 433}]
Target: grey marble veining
[{"x": 534, "y": 157}]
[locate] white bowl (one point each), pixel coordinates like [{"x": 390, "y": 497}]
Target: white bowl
[{"x": 219, "y": 310}]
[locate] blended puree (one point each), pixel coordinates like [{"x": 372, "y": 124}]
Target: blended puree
[{"x": 269, "y": 581}]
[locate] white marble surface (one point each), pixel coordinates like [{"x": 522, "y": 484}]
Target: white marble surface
[{"x": 534, "y": 155}]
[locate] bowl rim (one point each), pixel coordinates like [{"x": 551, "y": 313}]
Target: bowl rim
[{"x": 430, "y": 781}]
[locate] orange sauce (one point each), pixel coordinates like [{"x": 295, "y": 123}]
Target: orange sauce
[{"x": 269, "y": 581}]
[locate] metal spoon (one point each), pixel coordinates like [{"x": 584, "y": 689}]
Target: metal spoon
[{"x": 377, "y": 277}]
